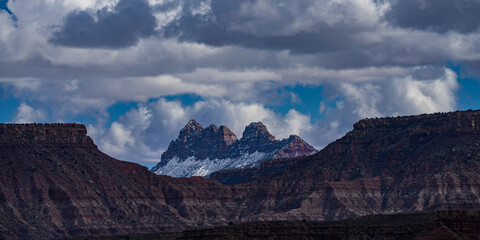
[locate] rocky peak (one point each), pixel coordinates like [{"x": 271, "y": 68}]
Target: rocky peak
[
  {"x": 294, "y": 138},
  {"x": 210, "y": 132},
  {"x": 215, "y": 148},
  {"x": 194, "y": 140},
  {"x": 212, "y": 128},
  {"x": 256, "y": 138},
  {"x": 257, "y": 130},
  {"x": 191, "y": 128},
  {"x": 294, "y": 146},
  {"x": 228, "y": 135}
]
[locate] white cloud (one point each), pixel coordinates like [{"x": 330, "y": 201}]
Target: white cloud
[
  {"x": 425, "y": 96},
  {"x": 297, "y": 123},
  {"x": 209, "y": 75},
  {"x": 142, "y": 134},
  {"x": 27, "y": 114},
  {"x": 365, "y": 97},
  {"x": 118, "y": 140},
  {"x": 402, "y": 96}
]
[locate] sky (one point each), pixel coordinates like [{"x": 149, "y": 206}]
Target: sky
[{"x": 136, "y": 71}]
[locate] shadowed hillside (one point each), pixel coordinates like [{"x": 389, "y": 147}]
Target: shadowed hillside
[{"x": 455, "y": 224}]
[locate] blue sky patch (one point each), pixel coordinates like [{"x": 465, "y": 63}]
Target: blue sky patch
[
  {"x": 469, "y": 92},
  {"x": 3, "y": 6}
]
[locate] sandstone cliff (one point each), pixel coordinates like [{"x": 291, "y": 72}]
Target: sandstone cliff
[
  {"x": 55, "y": 183},
  {"x": 385, "y": 165}
]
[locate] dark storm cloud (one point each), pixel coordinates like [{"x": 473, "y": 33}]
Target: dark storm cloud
[
  {"x": 436, "y": 15},
  {"x": 221, "y": 25},
  {"x": 129, "y": 21}
]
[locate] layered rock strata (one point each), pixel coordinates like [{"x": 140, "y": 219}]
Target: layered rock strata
[
  {"x": 55, "y": 183},
  {"x": 383, "y": 166}
]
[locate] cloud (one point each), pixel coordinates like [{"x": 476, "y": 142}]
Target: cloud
[
  {"x": 425, "y": 96},
  {"x": 120, "y": 27},
  {"x": 435, "y": 15},
  {"x": 299, "y": 26},
  {"x": 296, "y": 123},
  {"x": 403, "y": 96},
  {"x": 365, "y": 97},
  {"x": 119, "y": 139},
  {"x": 248, "y": 40},
  {"x": 27, "y": 114},
  {"x": 143, "y": 133}
]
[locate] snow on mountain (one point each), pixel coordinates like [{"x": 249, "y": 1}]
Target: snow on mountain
[{"x": 200, "y": 152}]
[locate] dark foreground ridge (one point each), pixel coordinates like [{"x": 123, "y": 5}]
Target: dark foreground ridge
[
  {"x": 55, "y": 183},
  {"x": 451, "y": 224}
]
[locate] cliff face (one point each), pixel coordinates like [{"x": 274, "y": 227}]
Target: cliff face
[
  {"x": 48, "y": 134},
  {"x": 388, "y": 165},
  {"x": 54, "y": 183},
  {"x": 200, "y": 152}
]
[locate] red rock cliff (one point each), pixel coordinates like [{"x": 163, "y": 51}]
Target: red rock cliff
[
  {"x": 55, "y": 183},
  {"x": 385, "y": 165}
]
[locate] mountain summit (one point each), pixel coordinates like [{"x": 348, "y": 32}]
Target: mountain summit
[{"x": 201, "y": 151}]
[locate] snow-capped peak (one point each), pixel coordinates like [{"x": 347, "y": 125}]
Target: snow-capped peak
[{"x": 199, "y": 151}]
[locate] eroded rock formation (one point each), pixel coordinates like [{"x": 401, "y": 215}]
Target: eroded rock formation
[{"x": 200, "y": 152}]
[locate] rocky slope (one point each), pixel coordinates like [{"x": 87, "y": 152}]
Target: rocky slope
[
  {"x": 55, "y": 183},
  {"x": 200, "y": 152},
  {"x": 384, "y": 165},
  {"x": 246, "y": 175}
]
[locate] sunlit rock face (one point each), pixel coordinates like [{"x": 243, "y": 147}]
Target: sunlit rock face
[{"x": 201, "y": 151}]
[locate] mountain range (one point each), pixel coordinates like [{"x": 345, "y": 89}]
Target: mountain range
[
  {"x": 55, "y": 182},
  {"x": 201, "y": 151}
]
